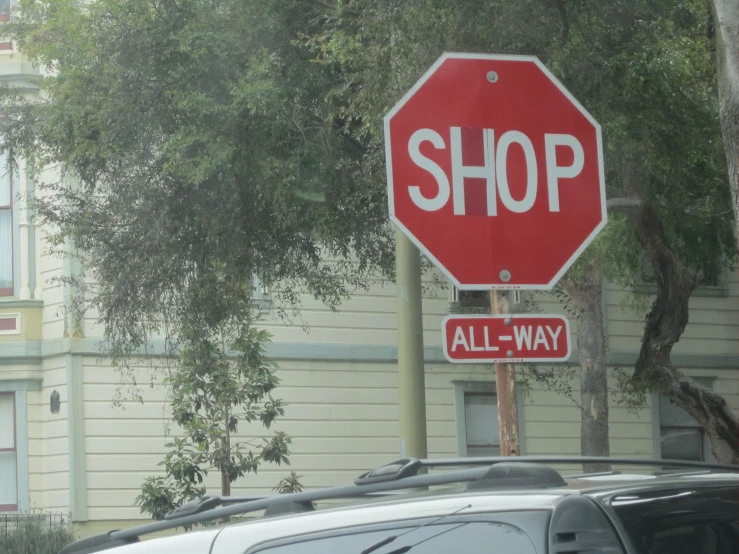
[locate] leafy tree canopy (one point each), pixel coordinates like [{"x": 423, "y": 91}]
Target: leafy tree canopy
[
  {"x": 216, "y": 140},
  {"x": 219, "y": 138},
  {"x": 643, "y": 69},
  {"x": 203, "y": 152}
]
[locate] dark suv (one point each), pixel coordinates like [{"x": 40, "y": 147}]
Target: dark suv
[{"x": 496, "y": 505}]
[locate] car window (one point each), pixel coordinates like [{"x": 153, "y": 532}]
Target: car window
[
  {"x": 442, "y": 538},
  {"x": 693, "y": 521}
]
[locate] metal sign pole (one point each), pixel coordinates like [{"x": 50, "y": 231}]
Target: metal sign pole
[{"x": 411, "y": 376}]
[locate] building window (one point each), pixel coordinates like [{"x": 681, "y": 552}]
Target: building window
[
  {"x": 476, "y": 301},
  {"x": 4, "y": 10},
  {"x": 478, "y": 431},
  {"x": 681, "y": 436},
  {"x": 6, "y": 229},
  {"x": 711, "y": 278},
  {"x": 8, "y": 454},
  {"x": 261, "y": 298},
  {"x": 482, "y": 432}
]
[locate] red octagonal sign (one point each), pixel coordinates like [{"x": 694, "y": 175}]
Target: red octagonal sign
[{"x": 495, "y": 171}]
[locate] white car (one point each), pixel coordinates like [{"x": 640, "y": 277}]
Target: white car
[{"x": 495, "y": 505}]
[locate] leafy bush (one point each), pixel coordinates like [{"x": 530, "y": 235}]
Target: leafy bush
[{"x": 34, "y": 537}]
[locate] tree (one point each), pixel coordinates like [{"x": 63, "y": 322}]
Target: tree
[
  {"x": 644, "y": 71},
  {"x": 219, "y": 383},
  {"x": 186, "y": 211},
  {"x": 585, "y": 293},
  {"x": 724, "y": 26},
  {"x": 646, "y": 92},
  {"x": 203, "y": 155}
]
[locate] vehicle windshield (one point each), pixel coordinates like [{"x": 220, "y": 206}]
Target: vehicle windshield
[
  {"x": 685, "y": 521},
  {"x": 441, "y": 538}
]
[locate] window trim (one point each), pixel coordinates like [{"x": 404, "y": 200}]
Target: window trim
[
  {"x": 463, "y": 386},
  {"x": 261, "y": 298},
  {"x": 706, "y": 291},
  {"x": 13, "y": 507},
  {"x": 706, "y": 381},
  {"x": 454, "y": 294},
  {"x": 10, "y": 292},
  {"x": 16, "y": 318}
]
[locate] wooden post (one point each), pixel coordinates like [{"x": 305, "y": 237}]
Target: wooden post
[{"x": 505, "y": 385}]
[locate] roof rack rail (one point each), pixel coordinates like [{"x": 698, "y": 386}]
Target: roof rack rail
[
  {"x": 98, "y": 543},
  {"x": 678, "y": 473},
  {"x": 391, "y": 478},
  {"x": 599, "y": 474},
  {"x": 406, "y": 467},
  {"x": 205, "y": 503}
]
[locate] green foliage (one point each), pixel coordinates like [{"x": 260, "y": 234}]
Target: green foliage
[
  {"x": 34, "y": 537},
  {"x": 202, "y": 153},
  {"x": 289, "y": 484},
  {"x": 218, "y": 386},
  {"x": 216, "y": 139},
  {"x": 643, "y": 69}
]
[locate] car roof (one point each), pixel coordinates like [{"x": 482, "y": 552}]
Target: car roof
[
  {"x": 235, "y": 538},
  {"x": 485, "y": 484}
]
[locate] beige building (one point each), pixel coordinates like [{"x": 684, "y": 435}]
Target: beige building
[{"x": 65, "y": 448}]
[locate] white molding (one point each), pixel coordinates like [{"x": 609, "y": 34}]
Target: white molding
[
  {"x": 460, "y": 387},
  {"x": 706, "y": 381},
  {"x": 17, "y": 318}
]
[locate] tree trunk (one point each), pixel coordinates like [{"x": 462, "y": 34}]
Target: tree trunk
[
  {"x": 664, "y": 326},
  {"x": 587, "y": 295},
  {"x": 226, "y": 445},
  {"x": 726, "y": 28},
  {"x": 225, "y": 483}
]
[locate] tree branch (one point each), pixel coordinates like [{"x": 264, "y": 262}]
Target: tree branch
[
  {"x": 623, "y": 204},
  {"x": 664, "y": 326},
  {"x": 564, "y": 20},
  {"x": 323, "y": 4}
]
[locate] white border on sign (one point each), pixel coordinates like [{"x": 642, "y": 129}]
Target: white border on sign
[
  {"x": 388, "y": 162},
  {"x": 506, "y": 359}
]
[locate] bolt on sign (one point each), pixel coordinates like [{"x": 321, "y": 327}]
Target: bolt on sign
[
  {"x": 506, "y": 338},
  {"x": 495, "y": 172}
]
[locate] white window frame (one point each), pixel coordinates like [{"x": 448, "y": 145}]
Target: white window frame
[
  {"x": 720, "y": 290},
  {"x": 460, "y": 388},
  {"x": 3, "y": 19},
  {"x": 706, "y": 381},
  {"x": 261, "y": 297},
  {"x": 18, "y": 389},
  {"x": 13, "y": 208},
  {"x": 455, "y": 294},
  {"x": 16, "y": 317}
]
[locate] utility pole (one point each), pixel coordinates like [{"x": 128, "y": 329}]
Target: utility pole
[
  {"x": 411, "y": 377},
  {"x": 505, "y": 385}
]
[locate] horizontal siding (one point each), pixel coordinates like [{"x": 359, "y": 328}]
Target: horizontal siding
[
  {"x": 713, "y": 327},
  {"x": 342, "y": 418},
  {"x": 552, "y": 424},
  {"x": 48, "y": 443},
  {"x": 370, "y": 316}
]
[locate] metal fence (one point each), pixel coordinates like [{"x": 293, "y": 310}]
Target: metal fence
[
  {"x": 20, "y": 532},
  {"x": 10, "y": 522}
]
